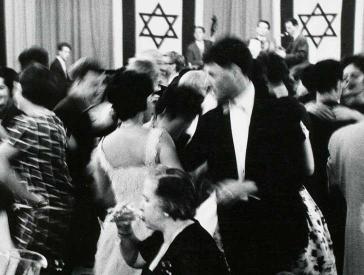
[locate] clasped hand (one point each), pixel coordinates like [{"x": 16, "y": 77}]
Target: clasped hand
[{"x": 123, "y": 219}]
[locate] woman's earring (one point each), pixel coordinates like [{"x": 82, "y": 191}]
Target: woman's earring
[{"x": 165, "y": 214}]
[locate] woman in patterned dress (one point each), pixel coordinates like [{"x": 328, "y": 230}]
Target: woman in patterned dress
[{"x": 33, "y": 157}]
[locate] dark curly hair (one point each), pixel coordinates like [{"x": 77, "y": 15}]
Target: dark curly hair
[
  {"x": 228, "y": 51},
  {"x": 128, "y": 92},
  {"x": 176, "y": 191}
]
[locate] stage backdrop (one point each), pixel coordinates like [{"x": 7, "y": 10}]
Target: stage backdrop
[
  {"x": 157, "y": 24},
  {"x": 329, "y": 25}
]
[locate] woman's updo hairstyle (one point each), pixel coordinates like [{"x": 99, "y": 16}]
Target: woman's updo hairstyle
[
  {"x": 176, "y": 191},
  {"x": 128, "y": 91}
]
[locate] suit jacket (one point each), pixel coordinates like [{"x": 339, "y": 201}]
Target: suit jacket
[
  {"x": 61, "y": 78},
  {"x": 297, "y": 51},
  {"x": 320, "y": 133},
  {"x": 257, "y": 236},
  {"x": 193, "y": 54},
  {"x": 346, "y": 171}
]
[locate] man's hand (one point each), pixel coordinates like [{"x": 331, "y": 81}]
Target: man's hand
[
  {"x": 233, "y": 190},
  {"x": 343, "y": 113},
  {"x": 320, "y": 110}
]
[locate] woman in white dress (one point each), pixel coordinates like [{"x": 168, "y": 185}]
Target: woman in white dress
[{"x": 121, "y": 162}]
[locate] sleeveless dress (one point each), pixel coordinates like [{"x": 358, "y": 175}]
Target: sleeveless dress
[{"x": 127, "y": 183}]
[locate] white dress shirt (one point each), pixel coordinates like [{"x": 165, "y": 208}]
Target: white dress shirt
[{"x": 240, "y": 113}]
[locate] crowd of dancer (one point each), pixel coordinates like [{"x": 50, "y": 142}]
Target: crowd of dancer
[{"x": 239, "y": 165}]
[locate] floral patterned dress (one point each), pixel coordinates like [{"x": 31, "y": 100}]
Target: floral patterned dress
[{"x": 318, "y": 256}]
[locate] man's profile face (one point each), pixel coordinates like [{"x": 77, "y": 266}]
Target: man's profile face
[
  {"x": 223, "y": 82},
  {"x": 64, "y": 53}
]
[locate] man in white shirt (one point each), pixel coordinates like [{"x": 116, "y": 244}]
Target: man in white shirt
[
  {"x": 237, "y": 143},
  {"x": 59, "y": 67},
  {"x": 196, "y": 49}
]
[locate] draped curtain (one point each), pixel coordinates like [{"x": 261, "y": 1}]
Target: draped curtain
[
  {"x": 20, "y": 29},
  {"x": 237, "y": 17},
  {"x": 85, "y": 24}
]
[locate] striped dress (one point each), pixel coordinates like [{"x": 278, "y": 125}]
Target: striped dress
[{"x": 41, "y": 165}]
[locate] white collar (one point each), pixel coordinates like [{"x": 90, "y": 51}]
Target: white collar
[
  {"x": 60, "y": 59},
  {"x": 245, "y": 99},
  {"x": 63, "y": 63}
]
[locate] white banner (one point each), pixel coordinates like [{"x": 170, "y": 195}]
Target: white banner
[
  {"x": 321, "y": 24},
  {"x": 158, "y": 25}
]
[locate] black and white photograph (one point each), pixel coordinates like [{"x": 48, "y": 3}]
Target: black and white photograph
[{"x": 181, "y": 137}]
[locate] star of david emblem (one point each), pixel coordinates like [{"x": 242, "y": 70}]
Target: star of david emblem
[
  {"x": 309, "y": 30},
  {"x": 158, "y": 13}
]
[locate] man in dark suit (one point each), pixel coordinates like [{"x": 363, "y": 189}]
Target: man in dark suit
[
  {"x": 297, "y": 49},
  {"x": 196, "y": 49},
  {"x": 244, "y": 139},
  {"x": 59, "y": 67}
]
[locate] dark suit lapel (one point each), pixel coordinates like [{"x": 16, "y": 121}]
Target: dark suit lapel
[
  {"x": 258, "y": 144},
  {"x": 225, "y": 155},
  {"x": 197, "y": 51},
  {"x": 61, "y": 69}
]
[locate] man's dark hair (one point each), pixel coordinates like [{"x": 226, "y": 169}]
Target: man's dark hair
[
  {"x": 82, "y": 66},
  {"x": 200, "y": 27},
  {"x": 34, "y": 54},
  {"x": 307, "y": 77},
  {"x": 265, "y": 22},
  {"x": 228, "y": 51},
  {"x": 327, "y": 73},
  {"x": 38, "y": 85},
  {"x": 63, "y": 44},
  {"x": 293, "y": 21}
]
